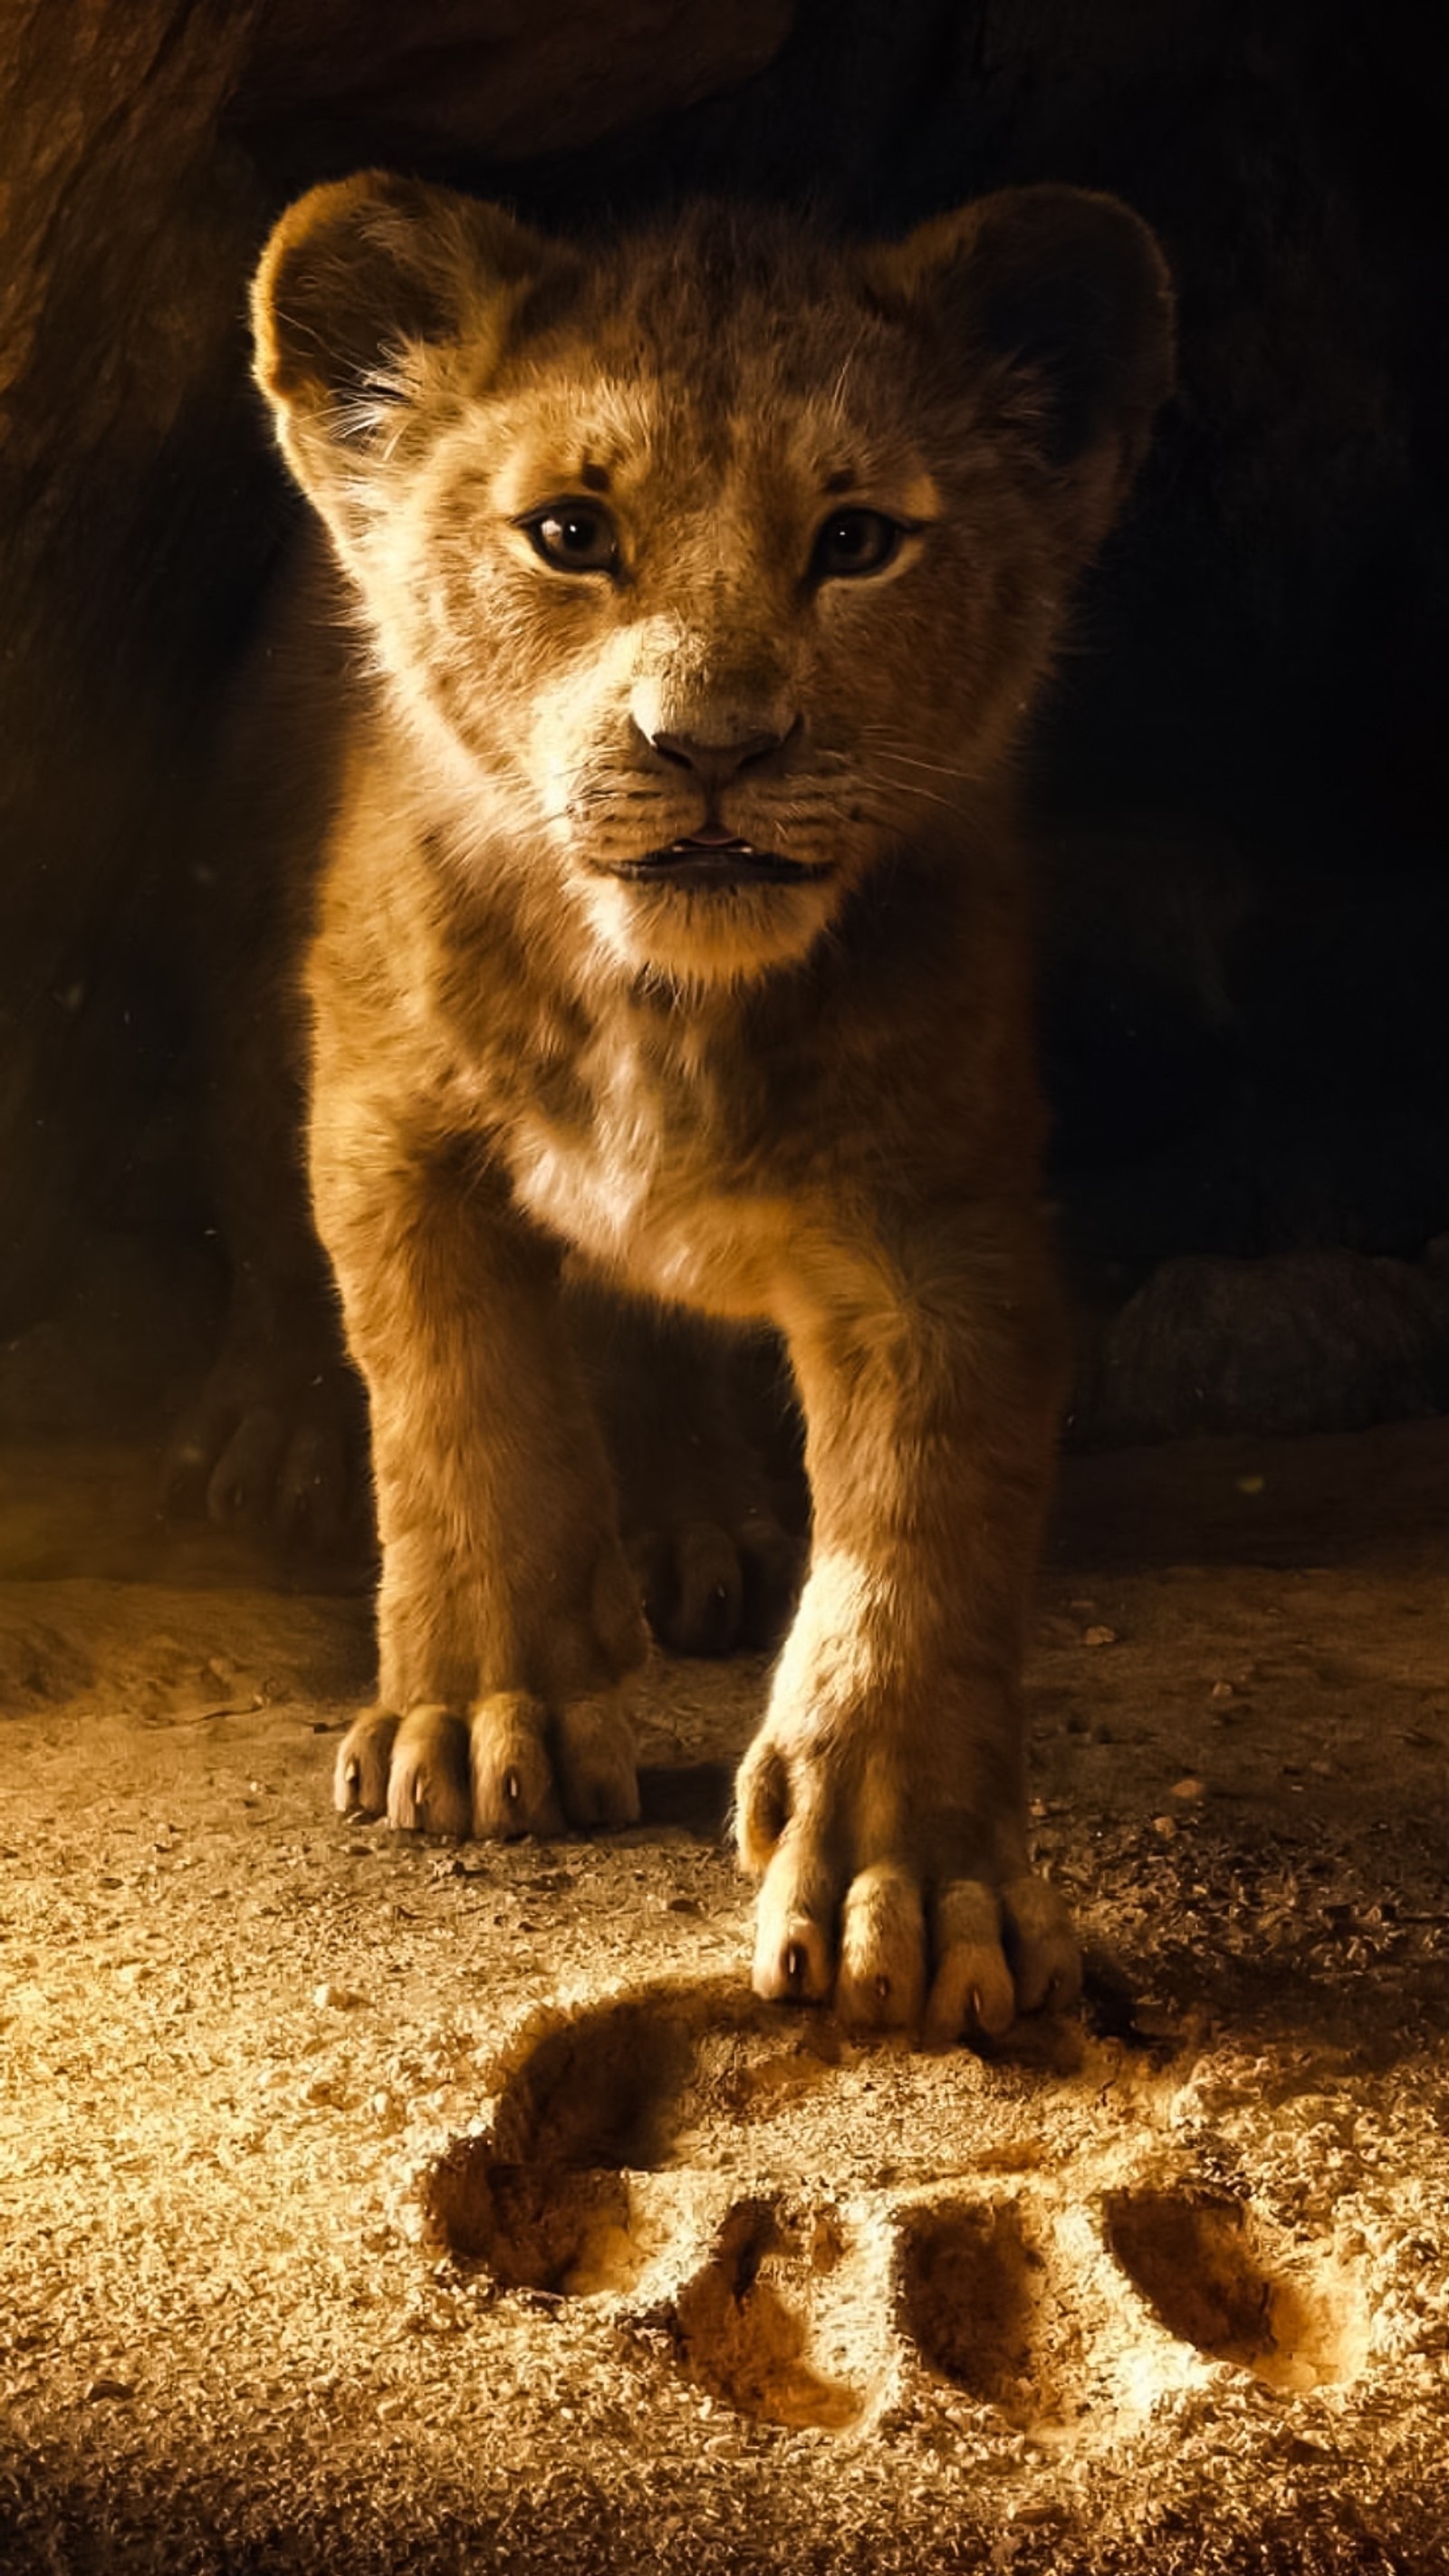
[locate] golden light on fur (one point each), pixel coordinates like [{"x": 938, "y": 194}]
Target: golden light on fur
[{"x": 671, "y": 919}]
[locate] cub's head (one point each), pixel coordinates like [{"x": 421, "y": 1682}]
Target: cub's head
[{"x": 709, "y": 567}]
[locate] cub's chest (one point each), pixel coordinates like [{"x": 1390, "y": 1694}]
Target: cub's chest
[{"x": 642, "y": 1163}]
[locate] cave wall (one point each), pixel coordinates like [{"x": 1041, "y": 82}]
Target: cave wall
[
  {"x": 145, "y": 146},
  {"x": 1241, "y": 775}
]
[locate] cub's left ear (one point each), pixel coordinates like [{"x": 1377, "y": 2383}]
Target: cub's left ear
[{"x": 1068, "y": 294}]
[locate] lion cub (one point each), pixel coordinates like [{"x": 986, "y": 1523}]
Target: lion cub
[{"x": 671, "y": 920}]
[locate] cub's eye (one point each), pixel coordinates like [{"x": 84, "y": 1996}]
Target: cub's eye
[
  {"x": 575, "y": 536},
  {"x": 853, "y": 543}
]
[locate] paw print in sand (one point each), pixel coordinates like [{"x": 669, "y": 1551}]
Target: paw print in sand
[{"x": 820, "y": 2230}]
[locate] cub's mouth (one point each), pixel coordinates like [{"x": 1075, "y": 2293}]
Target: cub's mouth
[{"x": 710, "y": 862}]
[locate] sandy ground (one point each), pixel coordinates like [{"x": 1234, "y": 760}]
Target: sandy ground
[{"x": 376, "y": 2205}]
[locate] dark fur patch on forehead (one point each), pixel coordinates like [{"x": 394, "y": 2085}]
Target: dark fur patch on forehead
[
  {"x": 731, "y": 250},
  {"x": 728, "y": 266},
  {"x": 733, "y": 303}
]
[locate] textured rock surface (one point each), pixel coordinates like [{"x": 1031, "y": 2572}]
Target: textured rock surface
[
  {"x": 496, "y": 78},
  {"x": 1294, "y": 1342}
]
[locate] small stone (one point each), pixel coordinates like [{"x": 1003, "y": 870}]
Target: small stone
[
  {"x": 1166, "y": 1826},
  {"x": 330, "y": 1998},
  {"x": 1224, "y": 1690},
  {"x": 1099, "y": 1636},
  {"x": 1188, "y": 1789},
  {"x": 1252, "y": 1484}
]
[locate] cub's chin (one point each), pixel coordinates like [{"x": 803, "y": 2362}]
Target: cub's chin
[{"x": 713, "y": 912}]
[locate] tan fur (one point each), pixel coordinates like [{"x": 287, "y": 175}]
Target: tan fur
[{"x": 806, "y": 1103}]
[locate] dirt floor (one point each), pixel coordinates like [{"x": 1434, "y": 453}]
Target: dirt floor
[{"x": 373, "y": 2205}]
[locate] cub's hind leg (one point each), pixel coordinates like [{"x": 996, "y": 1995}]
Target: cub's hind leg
[{"x": 700, "y": 1436}]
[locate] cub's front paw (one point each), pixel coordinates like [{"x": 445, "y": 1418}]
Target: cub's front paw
[
  {"x": 513, "y": 1766},
  {"x": 877, "y": 1890}
]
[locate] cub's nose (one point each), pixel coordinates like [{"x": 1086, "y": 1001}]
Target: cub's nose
[{"x": 714, "y": 764}]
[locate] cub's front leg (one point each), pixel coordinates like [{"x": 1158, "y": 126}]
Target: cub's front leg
[
  {"x": 507, "y": 1615},
  {"x": 883, "y": 1801}
]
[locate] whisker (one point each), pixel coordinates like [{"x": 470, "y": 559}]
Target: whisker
[
  {"x": 884, "y": 747},
  {"x": 929, "y": 795}
]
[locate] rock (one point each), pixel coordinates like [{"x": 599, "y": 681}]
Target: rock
[
  {"x": 493, "y": 77},
  {"x": 1312, "y": 1341}
]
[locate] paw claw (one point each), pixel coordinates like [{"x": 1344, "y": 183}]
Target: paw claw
[
  {"x": 793, "y": 1962},
  {"x": 993, "y": 2003},
  {"x": 427, "y": 1789},
  {"x": 974, "y": 1987},
  {"x": 693, "y": 1588},
  {"x": 882, "y": 1949},
  {"x": 1041, "y": 1945},
  {"x": 360, "y": 1780},
  {"x": 513, "y": 1774}
]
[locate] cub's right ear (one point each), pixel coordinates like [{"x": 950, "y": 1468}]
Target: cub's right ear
[
  {"x": 1059, "y": 300},
  {"x": 373, "y": 293}
]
